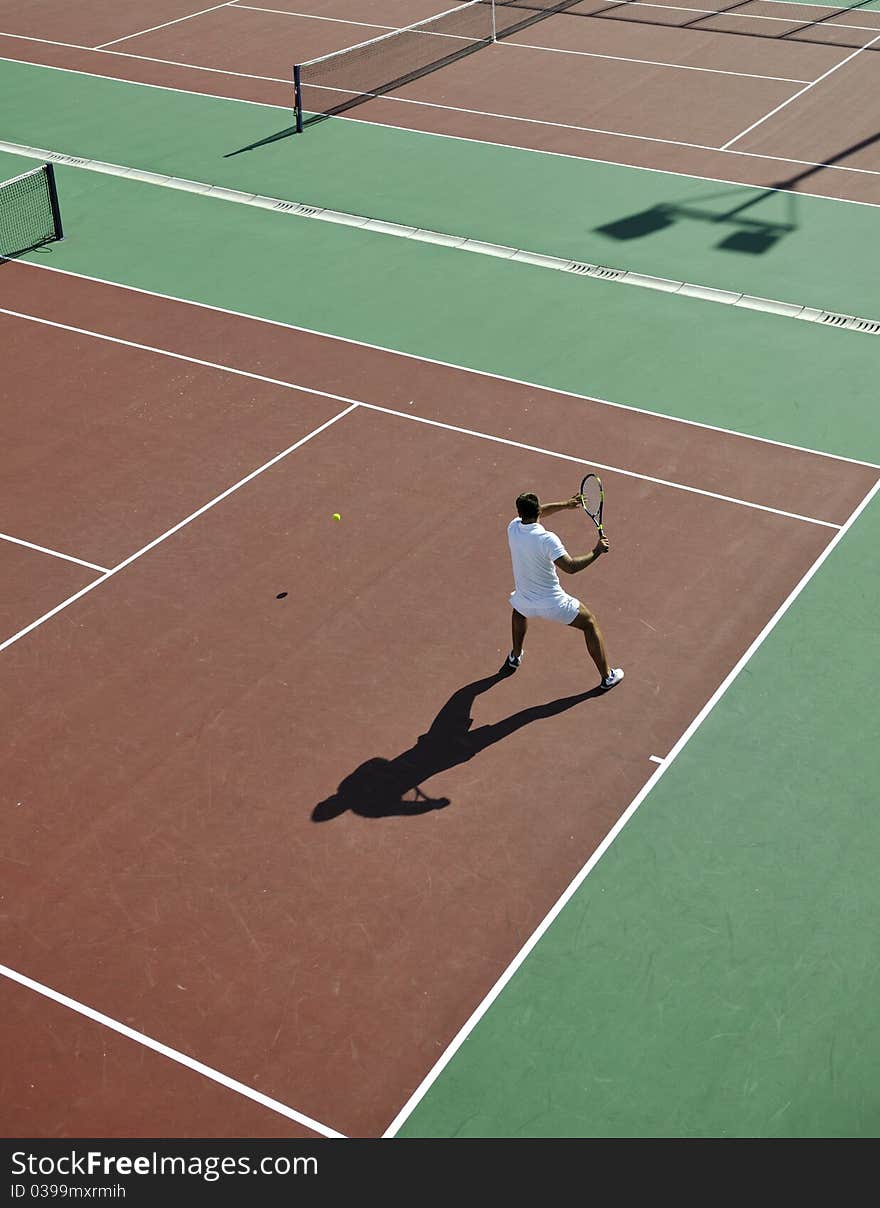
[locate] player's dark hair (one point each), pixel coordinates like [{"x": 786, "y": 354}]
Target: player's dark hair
[{"x": 528, "y": 507}]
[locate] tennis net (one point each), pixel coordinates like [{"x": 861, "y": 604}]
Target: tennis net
[
  {"x": 511, "y": 16},
  {"x": 339, "y": 81},
  {"x": 29, "y": 213},
  {"x": 370, "y": 69}
]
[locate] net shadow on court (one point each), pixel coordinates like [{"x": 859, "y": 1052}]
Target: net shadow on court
[
  {"x": 263, "y": 142},
  {"x": 622, "y": 12},
  {"x": 814, "y": 169}
]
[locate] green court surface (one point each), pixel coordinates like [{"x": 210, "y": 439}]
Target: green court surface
[
  {"x": 792, "y": 248},
  {"x": 715, "y": 975},
  {"x": 755, "y": 373}
]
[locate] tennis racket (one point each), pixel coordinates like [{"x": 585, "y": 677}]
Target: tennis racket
[{"x": 592, "y": 498}]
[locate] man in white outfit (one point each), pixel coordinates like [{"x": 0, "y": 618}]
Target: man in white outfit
[{"x": 536, "y": 554}]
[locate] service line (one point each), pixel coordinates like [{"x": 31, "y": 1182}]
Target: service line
[{"x": 419, "y": 419}]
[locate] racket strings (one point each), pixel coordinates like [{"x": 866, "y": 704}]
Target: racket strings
[{"x": 591, "y": 495}]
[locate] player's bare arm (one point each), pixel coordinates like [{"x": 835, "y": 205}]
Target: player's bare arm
[
  {"x": 571, "y": 566},
  {"x": 547, "y": 509}
]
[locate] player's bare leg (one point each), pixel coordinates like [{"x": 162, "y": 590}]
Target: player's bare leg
[
  {"x": 518, "y": 624},
  {"x": 589, "y": 627}
]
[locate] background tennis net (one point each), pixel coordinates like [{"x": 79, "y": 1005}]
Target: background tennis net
[
  {"x": 29, "y": 213},
  {"x": 349, "y": 77}
]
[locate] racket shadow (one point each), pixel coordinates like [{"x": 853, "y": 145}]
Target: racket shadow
[{"x": 380, "y": 788}]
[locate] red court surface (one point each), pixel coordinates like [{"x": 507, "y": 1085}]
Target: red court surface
[
  {"x": 100, "y": 1076},
  {"x": 780, "y": 95},
  {"x": 40, "y": 582},
  {"x": 298, "y": 840}
]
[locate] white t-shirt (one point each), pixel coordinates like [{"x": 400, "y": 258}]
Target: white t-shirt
[{"x": 533, "y": 551}]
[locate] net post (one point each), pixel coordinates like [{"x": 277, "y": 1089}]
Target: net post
[
  {"x": 297, "y": 98},
  {"x": 494, "y": 30},
  {"x": 53, "y": 199}
]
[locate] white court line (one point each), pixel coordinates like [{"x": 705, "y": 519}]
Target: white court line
[
  {"x": 42, "y": 549},
  {"x": 242, "y": 75},
  {"x": 124, "y": 54},
  {"x": 663, "y": 482},
  {"x": 418, "y": 419},
  {"x": 656, "y": 759},
  {"x": 164, "y": 25},
  {"x": 800, "y": 93},
  {"x": 174, "y": 1054},
  {"x": 411, "y": 356},
  {"x": 831, "y": 7},
  {"x": 294, "y": 208},
  {"x": 195, "y": 1065},
  {"x": 709, "y": 12},
  {"x": 587, "y": 54},
  {"x": 554, "y": 50},
  {"x": 485, "y": 142},
  {"x": 283, "y": 12},
  {"x": 465, "y": 1031},
  {"x": 719, "y": 12},
  {"x": 616, "y": 163},
  {"x": 535, "y": 121},
  {"x": 170, "y": 532}
]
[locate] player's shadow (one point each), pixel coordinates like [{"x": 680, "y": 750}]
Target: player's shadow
[{"x": 380, "y": 788}]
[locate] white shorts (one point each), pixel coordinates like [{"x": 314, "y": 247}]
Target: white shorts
[{"x": 560, "y": 608}]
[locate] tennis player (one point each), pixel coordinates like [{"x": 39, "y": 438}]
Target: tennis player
[{"x": 536, "y": 554}]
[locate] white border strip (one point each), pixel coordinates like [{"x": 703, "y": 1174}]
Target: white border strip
[
  {"x": 173, "y": 1054},
  {"x": 42, "y": 549},
  {"x": 418, "y": 419},
  {"x": 589, "y": 159},
  {"x": 598, "y": 272},
  {"x": 412, "y": 356},
  {"x": 465, "y": 1031}
]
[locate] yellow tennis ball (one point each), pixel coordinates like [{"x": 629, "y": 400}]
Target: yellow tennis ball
[{"x": 336, "y": 516}]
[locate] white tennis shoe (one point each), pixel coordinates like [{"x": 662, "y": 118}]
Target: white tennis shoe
[{"x": 614, "y": 678}]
